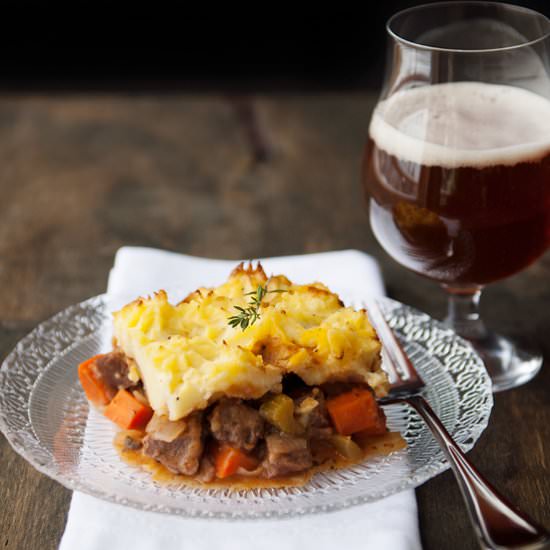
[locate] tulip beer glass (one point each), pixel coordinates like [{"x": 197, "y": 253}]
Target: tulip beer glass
[{"x": 457, "y": 165}]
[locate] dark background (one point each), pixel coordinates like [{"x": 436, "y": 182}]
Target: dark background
[{"x": 265, "y": 47}]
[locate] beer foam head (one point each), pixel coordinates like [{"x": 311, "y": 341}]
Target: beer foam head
[{"x": 463, "y": 124}]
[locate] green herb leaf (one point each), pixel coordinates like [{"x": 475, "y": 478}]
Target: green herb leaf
[{"x": 248, "y": 316}]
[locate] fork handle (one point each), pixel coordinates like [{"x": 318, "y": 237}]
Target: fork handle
[{"x": 497, "y": 522}]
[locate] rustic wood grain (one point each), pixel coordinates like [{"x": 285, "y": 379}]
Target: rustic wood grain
[{"x": 230, "y": 178}]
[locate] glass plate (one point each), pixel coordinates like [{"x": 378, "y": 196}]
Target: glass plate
[{"x": 46, "y": 418}]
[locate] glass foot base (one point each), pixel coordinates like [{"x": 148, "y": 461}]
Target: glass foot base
[{"x": 508, "y": 364}]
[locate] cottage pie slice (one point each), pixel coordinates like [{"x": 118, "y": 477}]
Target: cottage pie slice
[{"x": 258, "y": 377}]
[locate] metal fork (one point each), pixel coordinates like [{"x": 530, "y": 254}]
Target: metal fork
[{"x": 497, "y": 522}]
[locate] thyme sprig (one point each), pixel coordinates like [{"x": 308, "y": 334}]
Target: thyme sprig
[{"x": 249, "y": 315}]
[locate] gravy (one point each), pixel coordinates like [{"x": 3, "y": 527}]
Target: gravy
[{"x": 372, "y": 446}]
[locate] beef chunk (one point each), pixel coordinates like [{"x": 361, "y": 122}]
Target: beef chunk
[
  {"x": 113, "y": 370},
  {"x": 182, "y": 454},
  {"x": 312, "y": 413},
  {"x": 286, "y": 455},
  {"x": 322, "y": 450},
  {"x": 236, "y": 424},
  {"x": 207, "y": 470}
]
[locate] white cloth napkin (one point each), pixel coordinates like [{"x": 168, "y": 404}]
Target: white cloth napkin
[{"x": 94, "y": 524}]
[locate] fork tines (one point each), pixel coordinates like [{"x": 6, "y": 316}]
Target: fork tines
[{"x": 402, "y": 374}]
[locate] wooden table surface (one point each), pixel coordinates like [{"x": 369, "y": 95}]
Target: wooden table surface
[{"x": 223, "y": 177}]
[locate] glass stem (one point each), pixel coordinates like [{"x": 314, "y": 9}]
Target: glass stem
[{"x": 463, "y": 313}]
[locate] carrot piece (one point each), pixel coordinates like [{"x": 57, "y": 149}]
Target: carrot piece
[
  {"x": 127, "y": 412},
  {"x": 228, "y": 460},
  {"x": 95, "y": 389},
  {"x": 378, "y": 426},
  {"x": 356, "y": 411}
]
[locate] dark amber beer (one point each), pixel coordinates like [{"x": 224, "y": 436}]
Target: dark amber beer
[{"x": 458, "y": 176}]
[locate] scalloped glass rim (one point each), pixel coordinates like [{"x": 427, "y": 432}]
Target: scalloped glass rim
[{"x": 46, "y": 419}]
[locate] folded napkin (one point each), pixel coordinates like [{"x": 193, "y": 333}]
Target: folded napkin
[{"x": 94, "y": 524}]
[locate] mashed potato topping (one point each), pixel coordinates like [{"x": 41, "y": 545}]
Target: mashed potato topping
[{"x": 188, "y": 356}]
